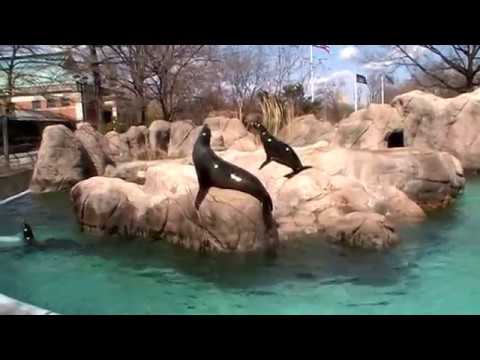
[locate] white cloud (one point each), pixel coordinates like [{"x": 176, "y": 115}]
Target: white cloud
[
  {"x": 394, "y": 55},
  {"x": 378, "y": 65},
  {"x": 335, "y": 76},
  {"x": 348, "y": 52}
]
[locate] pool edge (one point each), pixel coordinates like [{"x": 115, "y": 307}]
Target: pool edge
[{"x": 10, "y": 306}]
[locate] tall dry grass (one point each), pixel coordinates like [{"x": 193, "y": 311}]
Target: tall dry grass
[{"x": 277, "y": 112}]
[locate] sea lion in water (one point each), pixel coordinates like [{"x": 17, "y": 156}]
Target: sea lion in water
[
  {"x": 31, "y": 242},
  {"x": 212, "y": 171},
  {"x": 28, "y": 237},
  {"x": 279, "y": 152}
]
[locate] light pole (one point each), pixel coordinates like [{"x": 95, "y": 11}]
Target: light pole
[
  {"x": 311, "y": 74},
  {"x": 383, "y": 89},
  {"x": 81, "y": 82}
]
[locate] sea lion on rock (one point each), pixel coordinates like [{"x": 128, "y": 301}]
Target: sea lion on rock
[
  {"x": 212, "y": 171},
  {"x": 279, "y": 152}
]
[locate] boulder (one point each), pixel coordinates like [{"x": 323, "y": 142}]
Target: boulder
[
  {"x": 183, "y": 135},
  {"x": 350, "y": 197},
  {"x": 159, "y": 133},
  {"x": 115, "y": 209},
  {"x": 137, "y": 139},
  {"x": 62, "y": 161},
  {"x": 443, "y": 124},
  {"x": 117, "y": 146},
  {"x": 420, "y": 120},
  {"x": 227, "y": 131},
  {"x": 306, "y": 130},
  {"x": 368, "y": 128},
  {"x": 430, "y": 178},
  {"x": 96, "y": 146}
]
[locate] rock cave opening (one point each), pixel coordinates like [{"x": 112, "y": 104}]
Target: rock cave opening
[{"x": 395, "y": 139}]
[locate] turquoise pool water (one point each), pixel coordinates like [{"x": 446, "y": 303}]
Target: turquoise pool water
[{"x": 435, "y": 270}]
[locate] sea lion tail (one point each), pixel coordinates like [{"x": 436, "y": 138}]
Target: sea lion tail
[
  {"x": 271, "y": 233},
  {"x": 267, "y": 213}
]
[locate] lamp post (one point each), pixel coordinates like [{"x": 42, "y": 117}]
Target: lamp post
[{"x": 81, "y": 82}]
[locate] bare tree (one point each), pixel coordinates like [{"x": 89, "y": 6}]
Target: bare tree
[
  {"x": 23, "y": 66},
  {"x": 126, "y": 70},
  {"x": 97, "y": 85},
  {"x": 245, "y": 73},
  {"x": 455, "y": 68},
  {"x": 332, "y": 103},
  {"x": 173, "y": 69},
  {"x": 286, "y": 67},
  {"x": 89, "y": 60}
]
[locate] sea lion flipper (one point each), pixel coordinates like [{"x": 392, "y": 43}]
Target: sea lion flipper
[
  {"x": 295, "y": 172},
  {"x": 265, "y": 163},
  {"x": 202, "y": 192}
]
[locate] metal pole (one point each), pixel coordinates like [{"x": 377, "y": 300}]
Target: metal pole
[
  {"x": 383, "y": 93},
  {"x": 5, "y": 140},
  {"x": 82, "y": 91},
  {"x": 311, "y": 73},
  {"x": 355, "y": 90}
]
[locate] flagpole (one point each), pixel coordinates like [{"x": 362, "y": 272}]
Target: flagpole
[
  {"x": 383, "y": 91},
  {"x": 355, "y": 89},
  {"x": 311, "y": 72}
]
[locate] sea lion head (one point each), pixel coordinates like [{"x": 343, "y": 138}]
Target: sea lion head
[
  {"x": 205, "y": 135},
  {"x": 258, "y": 126},
  {"x": 28, "y": 236}
]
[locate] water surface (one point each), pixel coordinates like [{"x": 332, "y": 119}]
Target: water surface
[{"x": 435, "y": 270}]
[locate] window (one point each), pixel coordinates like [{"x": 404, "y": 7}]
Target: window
[
  {"x": 65, "y": 101},
  {"x": 52, "y": 103},
  {"x": 36, "y": 104}
]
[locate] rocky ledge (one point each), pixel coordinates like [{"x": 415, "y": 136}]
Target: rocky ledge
[
  {"x": 142, "y": 183},
  {"x": 419, "y": 120},
  {"x": 350, "y": 197}
]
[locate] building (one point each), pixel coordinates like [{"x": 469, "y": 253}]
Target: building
[{"x": 51, "y": 85}]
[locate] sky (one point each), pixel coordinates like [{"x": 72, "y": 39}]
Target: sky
[{"x": 342, "y": 63}]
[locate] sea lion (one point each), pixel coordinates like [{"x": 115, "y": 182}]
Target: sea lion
[
  {"x": 212, "y": 171},
  {"x": 279, "y": 152},
  {"x": 28, "y": 237},
  {"x": 32, "y": 243}
]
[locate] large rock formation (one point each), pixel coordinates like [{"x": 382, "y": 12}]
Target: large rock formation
[
  {"x": 138, "y": 141},
  {"x": 182, "y": 137},
  {"x": 118, "y": 148},
  {"x": 62, "y": 161},
  {"x": 129, "y": 146},
  {"x": 368, "y": 128},
  {"x": 159, "y": 133},
  {"x": 112, "y": 153},
  {"x": 445, "y": 124},
  {"x": 227, "y": 131},
  {"x": 349, "y": 197},
  {"x": 419, "y": 120},
  {"x": 306, "y": 130},
  {"x": 96, "y": 146}
]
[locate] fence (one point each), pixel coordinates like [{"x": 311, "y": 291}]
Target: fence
[{"x": 24, "y": 160}]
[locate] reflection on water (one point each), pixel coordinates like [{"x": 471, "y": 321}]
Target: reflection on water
[{"x": 432, "y": 271}]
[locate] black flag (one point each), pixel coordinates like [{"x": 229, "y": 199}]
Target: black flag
[{"x": 361, "y": 79}]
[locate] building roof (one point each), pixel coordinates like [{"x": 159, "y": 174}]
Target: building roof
[{"x": 37, "y": 116}]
